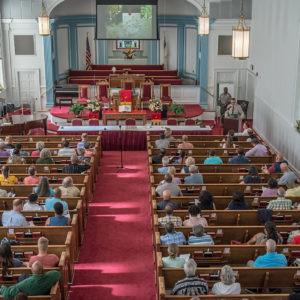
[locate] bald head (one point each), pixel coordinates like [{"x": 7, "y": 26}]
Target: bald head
[
  {"x": 37, "y": 268},
  {"x": 17, "y": 205},
  {"x": 166, "y": 195},
  {"x": 270, "y": 246},
  {"x": 284, "y": 167}
]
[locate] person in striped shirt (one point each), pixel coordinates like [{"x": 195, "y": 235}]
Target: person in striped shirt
[
  {"x": 199, "y": 237},
  {"x": 169, "y": 217},
  {"x": 172, "y": 236},
  {"x": 281, "y": 203}
]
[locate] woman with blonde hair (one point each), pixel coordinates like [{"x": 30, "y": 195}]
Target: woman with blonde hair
[
  {"x": 229, "y": 142},
  {"x": 45, "y": 157},
  {"x": 68, "y": 188},
  {"x": 173, "y": 261},
  {"x": 227, "y": 285},
  {"x": 39, "y": 147},
  {"x": 188, "y": 162}
]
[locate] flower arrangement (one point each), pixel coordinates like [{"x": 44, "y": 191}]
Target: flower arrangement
[
  {"x": 129, "y": 54},
  {"x": 93, "y": 106},
  {"x": 155, "y": 105},
  {"x": 297, "y": 125}
]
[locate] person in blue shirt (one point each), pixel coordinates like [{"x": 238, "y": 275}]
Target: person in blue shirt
[
  {"x": 84, "y": 138},
  {"x": 59, "y": 219},
  {"x": 49, "y": 203},
  {"x": 271, "y": 258},
  {"x": 165, "y": 167},
  {"x": 253, "y": 176},
  {"x": 14, "y": 216},
  {"x": 241, "y": 158},
  {"x": 212, "y": 159},
  {"x": 172, "y": 236},
  {"x": 238, "y": 201},
  {"x": 195, "y": 177}
]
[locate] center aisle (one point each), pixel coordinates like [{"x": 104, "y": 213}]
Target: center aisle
[{"x": 116, "y": 258}]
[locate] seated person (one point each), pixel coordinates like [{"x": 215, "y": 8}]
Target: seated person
[
  {"x": 168, "y": 185},
  {"x": 185, "y": 143},
  {"x": 252, "y": 176},
  {"x": 172, "y": 236},
  {"x": 3, "y": 193},
  {"x": 168, "y": 135},
  {"x": 180, "y": 160},
  {"x": 45, "y": 157},
  {"x": 271, "y": 258},
  {"x": 9, "y": 142},
  {"x": 212, "y": 159},
  {"x": 271, "y": 190},
  {"x": 32, "y": 178},
  {"x": 39, "y": 283},
  {"x": 32, "y": 203},
  {"x": 194, "y": 217},
  {"x": 7, "y": 259},
  {"x": 48, "y": 260},
  {"x": 206, "y": 201},
  {"x": 81, "y": 152},
  {"x": 84, "y": 138},
  {"x": 75, "y": 167},
  {"x": 16, "y": 158},
  {"x": 44, "y": 189},
  {"x": 240, "y": 159},
  {"x": 192, "y": 284},
  {"x": 49, "y": 203},
  {"x": 165, "y": 163},
  {"x": 3, "y": 151},
  {"x": 157, "y": 159},
  {"x": 295, "y": 192},
  {"x": 228, "y": 143},
  {"x": 66, "y": 150},
  {"x": 172, "y": 172},
  {"x": 188, "y": 162},
  {"x": 200, "y": 238},
  {"x": 169, "y": 217},
  {"x": 195, "y": 177},
  {"x": 257, "y": 150},
  {"x": 22, "y": 152},
  {"x": 281, "y": 203},
  {"x": 39, "y": 147},
  {"x": 162, "y": 143},
  {"x": 246, "y": 127},
  {"x": 227, "y": 285},
  {"x": 288, "y": 178},
  {"x": 6, "y": 178},
  {"x": 238, "y": 201},
  {"x": 251, "y": 135},
  {"x": 173, "y": 261},
  {"x": 275, "y": 168},
  {"x": 234, "y": 109},
  {"x": 68, "y": 188},
  {"x": 59, "y": 219},
  {"x": 166, "y": 200},
  {"x": 270, "y": 232},
  {"x": 14, "y": 217},
  {"x": 88, "y": 151}
]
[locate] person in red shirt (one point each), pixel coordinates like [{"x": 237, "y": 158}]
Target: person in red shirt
[
  {"x": 296, "y": 240},
  {"x": 48, "y": 260}
]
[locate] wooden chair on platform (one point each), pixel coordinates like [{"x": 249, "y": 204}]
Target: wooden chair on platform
[
  {"x": 84, "y": 93},
  {"x": 76, "y": 122},
  {"x": 146, "y": 92},
  {"x": 128, "y": 84},
  {"x": 130, "y": 122},
  {"x": 103, "y": 91},
  {"x": 165, "y": 93},
  {"x": 172, "y": 122},
  {"x": 93, "y": 122},
  {"x": 190, "y": 122}
]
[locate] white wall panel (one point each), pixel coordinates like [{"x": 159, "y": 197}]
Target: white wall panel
[
  {"x": 63, "y": 50},
  {"x": 81, "y": 41},
  {"x": 171, "y": 40},
  {"x": 191, "y": 49}
]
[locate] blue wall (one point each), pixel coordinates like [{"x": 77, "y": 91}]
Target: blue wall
[{"x": 153, "y": 47}]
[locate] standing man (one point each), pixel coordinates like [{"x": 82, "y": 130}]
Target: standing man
[
  {"x": 224, "y": 99},
  {"x": 234, "y": 109}
]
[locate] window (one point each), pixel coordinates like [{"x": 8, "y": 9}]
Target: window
[
  {"x": 24, "y": 45},
  {"x": 128, "y": 44},
  {"x": 225, "y": 45}
]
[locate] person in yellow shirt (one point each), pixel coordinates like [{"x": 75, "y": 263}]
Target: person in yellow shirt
[
  {"x": 5, "y": 178},
  {"x": 295, "y": 192}
]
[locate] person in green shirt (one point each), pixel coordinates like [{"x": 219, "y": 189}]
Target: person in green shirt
[
  {"x": 39, "y": 283},
  {"x": 173, "y": 261},
  {"x": 45, "y": 157}
]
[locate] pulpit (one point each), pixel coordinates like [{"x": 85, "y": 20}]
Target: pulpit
[
  {"x": 231, "y": 123},
  {"x": 146, "y": 92},
  {"x": 165, "y": 93}
]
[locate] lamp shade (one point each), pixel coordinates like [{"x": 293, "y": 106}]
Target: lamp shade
[
  {"x": 203, "y": 25},
  {"x": 44, "y": 22},
  {"x": 240, "y": 43}
]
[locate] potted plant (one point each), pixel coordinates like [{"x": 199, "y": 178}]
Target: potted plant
[
  {"x": 177, "y": 109},
  {"x": 76, "y": 109},
  {"x": 129, "y": 54},
  {"x": 155, "y": 105}
]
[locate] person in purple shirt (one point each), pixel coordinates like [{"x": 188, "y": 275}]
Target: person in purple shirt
[
  {"x": 271, "y": 190},
  {"x": 3, "y": 151},
  {"x": 257, "y": 150}
]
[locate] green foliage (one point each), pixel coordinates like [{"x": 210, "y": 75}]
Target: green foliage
[
  {"x": 146, "y": 11},
  {"x": 297, "y": 125},
  {"x": 177, "y": 109},
  {"x": 76, "y": 109}
]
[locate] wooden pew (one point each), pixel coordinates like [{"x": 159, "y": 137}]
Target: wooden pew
[
  {"x": 192, "y": 138},
  {"x": 209, "y": 144}
]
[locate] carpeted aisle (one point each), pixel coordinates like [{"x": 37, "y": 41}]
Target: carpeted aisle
[{"x": 116, "y": 258}]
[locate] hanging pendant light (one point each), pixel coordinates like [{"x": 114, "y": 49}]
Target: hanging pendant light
[
  {"x": 44, "y": 22},
  {"x": 203, "y": 22},
  {"x": 241, "y": 38}
]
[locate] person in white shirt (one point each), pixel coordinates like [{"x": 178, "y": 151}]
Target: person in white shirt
[
  {"x": 32, "y": 204},
  {"x": 245, "y": 132},
  {"x": 227, "y": 285},
  {"x": 66, "y": 150}
]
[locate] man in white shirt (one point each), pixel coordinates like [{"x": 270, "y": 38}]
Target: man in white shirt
[
  {"x": 66, "y": 150},
  {"x": 234, "y": 109}
]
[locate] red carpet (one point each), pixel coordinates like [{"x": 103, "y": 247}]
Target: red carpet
[
  {"x": 63, "y": 113},
  {"x": 116, "y": 259}
]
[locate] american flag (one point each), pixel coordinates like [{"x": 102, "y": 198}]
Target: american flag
[{"x": 88, "y": 55}]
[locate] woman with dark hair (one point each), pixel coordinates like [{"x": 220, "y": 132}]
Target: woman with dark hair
[
  {"x": 229, "y": 142},
  {"x": 206, "y": 201},
  {"x": 253, "y": 176},
  {"x": 194, "y": 217},
  {"x": 59, "y": 219},
  {"x": 271, "y": 190},
  {"x": 7, "y": 260},
  {"x": 43, "y": 189},
  {"x": 238, "y": 201},
  {"x": 31, "y": 203},
  {"x": 270, "y": 232},
  {"x": 6, "y": 178},
  {"x": 181, "y": 157},
  {"x": 22, "y": 152}
]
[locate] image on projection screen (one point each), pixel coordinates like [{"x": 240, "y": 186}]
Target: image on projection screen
[{"x": 127, "y": 21}]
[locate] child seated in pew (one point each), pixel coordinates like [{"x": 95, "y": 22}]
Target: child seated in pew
[
  {"x": 59, "y": 219},
  {"x": 194, "y": 217},
  {"x": 43, "y": 189},
  {"x": 22, "y": 152},
  {"x": 229, "y": 143},
  {"x": 31, "y": 203},
  {"x": 173, "y": 261}
]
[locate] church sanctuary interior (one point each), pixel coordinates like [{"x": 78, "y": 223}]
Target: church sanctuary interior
[{"x": 150, "y": 149}]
